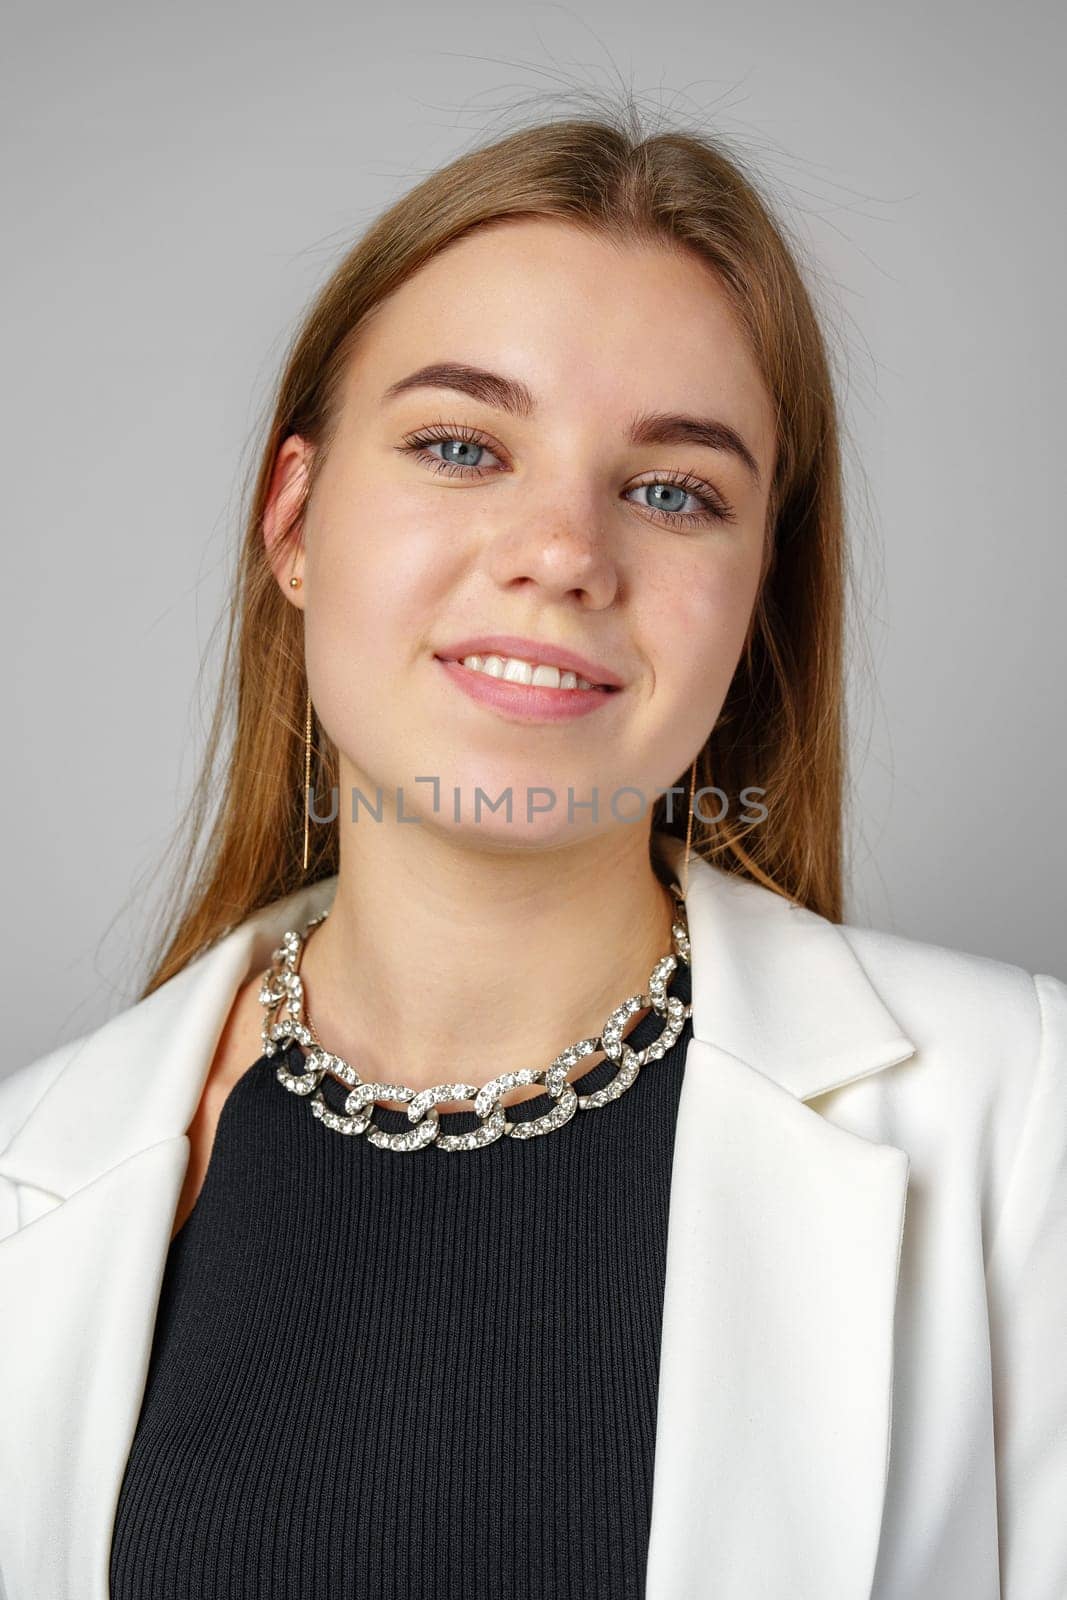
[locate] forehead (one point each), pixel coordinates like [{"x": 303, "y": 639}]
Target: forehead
[{"x": 582, "y": 320}]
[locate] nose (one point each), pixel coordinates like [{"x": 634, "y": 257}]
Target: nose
[{"x": 561, "y": 552}]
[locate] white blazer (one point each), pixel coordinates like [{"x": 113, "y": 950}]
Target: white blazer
[{"x": 863, "y": 1382}]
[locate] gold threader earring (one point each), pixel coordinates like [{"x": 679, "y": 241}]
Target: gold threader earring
[
  {"x": 689, "y": 831},
  {"x": 307, "y": 776},
  {"x": 294, "y": 583}
]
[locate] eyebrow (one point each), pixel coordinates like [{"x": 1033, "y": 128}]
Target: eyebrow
[{"x": 508, "y": 394}]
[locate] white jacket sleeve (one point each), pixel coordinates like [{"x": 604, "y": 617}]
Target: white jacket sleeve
[{"x": 1026, "y": 1278}]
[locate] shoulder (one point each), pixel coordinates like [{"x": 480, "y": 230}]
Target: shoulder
[
  {"x": 199, "y": 996},
  {"x": 123, "y": 1036},
  {"x": 70, "y": 1114},
  {"x": 984, "y": 1029},
  {"x": 939, "y": 994},
  {"x": 22, "y": 1090},
  {"x": 985, "y": 1093}
]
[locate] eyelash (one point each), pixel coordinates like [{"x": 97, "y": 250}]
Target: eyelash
[{"x": 716, "y": 509}]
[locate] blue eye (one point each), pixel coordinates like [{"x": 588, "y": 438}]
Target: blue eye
[
  {"x": 464, "y": 451},
  {"x": 448, "y": 434},
  {"x": 664, "y": 489}
]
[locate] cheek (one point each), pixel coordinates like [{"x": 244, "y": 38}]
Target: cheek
[
  {"x": 377, "y": 566},
  {"x": 701, "y": 620}
]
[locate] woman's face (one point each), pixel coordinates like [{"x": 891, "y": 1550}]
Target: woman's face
[{"x": 549, "y": 508}]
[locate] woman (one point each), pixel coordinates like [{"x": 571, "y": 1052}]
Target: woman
[{"x": 318, "y": 1278}]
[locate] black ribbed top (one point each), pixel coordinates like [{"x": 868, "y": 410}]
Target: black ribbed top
[{"x": 424, "y": 1375}]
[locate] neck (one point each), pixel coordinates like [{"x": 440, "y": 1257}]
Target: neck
[{"x": 444, "y": 961}]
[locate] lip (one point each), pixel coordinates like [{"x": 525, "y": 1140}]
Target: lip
[
  {"x": 550, "y": 655},
  {"x": 524, "y": 702}
]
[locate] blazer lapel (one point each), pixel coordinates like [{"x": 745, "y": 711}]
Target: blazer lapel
[
  {"x": 784, "y": 1238},
  {"x": 783, "y": 1247},
  {"x": 101, "y": 1164}
]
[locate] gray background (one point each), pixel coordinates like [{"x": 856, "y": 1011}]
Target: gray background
[{"x": 176, "y": 184}]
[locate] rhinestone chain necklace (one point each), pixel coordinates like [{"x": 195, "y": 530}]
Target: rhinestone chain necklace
[{"x": 287, "y": 1020}]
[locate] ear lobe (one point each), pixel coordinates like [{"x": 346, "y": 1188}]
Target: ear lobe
[{"x": 286, "y": 559}]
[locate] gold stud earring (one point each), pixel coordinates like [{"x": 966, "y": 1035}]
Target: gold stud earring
[
  {"x": 294, "y": 583},
  {"x": 307, "y": 776}
]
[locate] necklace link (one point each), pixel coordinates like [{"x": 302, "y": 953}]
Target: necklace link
[{"x": 287, "y": 1021}]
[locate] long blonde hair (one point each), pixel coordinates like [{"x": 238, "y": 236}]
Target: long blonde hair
[{"x": 782, "y": 725}]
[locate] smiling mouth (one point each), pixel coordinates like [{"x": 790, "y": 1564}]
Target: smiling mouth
[{"x": 458, "y": 661}]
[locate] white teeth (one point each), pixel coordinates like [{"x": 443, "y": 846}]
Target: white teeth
[{"x": 514, "y": 670}]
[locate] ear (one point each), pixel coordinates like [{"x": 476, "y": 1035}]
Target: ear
[{"x": 283, "y": 515}]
